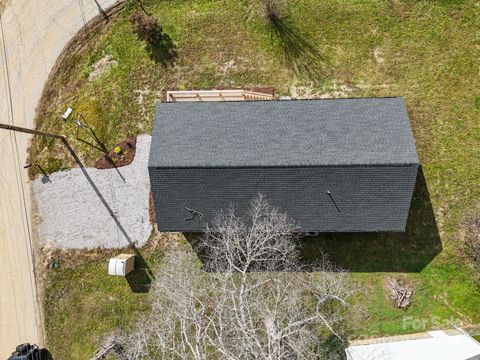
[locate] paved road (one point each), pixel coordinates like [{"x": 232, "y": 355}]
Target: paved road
[{"x": 33, "y": 34}]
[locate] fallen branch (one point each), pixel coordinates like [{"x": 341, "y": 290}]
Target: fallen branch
[
  {"x": 400, "y": 292},
  {"x": 111, "y": 344}
]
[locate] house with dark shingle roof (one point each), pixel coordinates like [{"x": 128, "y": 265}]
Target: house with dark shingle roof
[{"x": 336, "y": 165}]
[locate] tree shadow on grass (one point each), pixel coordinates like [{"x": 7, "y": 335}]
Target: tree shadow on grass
[
  {"x": 300, "y": 55},
  {"x": 410, "y": 251},
  {"x": 164, "y": 52}
]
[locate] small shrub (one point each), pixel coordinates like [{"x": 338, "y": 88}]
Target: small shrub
[
  {"x": 271, "y": 10},
  {"x": 118, "y": 150},
  {"x": 52, "y": 165},
  {"x": 146, "y": 27}
]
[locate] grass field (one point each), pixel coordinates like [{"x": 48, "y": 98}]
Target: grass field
[
  {"x": 426, "y": 51},
  {"x": 84, "y": 304}
]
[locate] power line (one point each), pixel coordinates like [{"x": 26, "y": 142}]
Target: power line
[
  {"x": 29, "y": 243},
  {"x": 98, "y": 107}
]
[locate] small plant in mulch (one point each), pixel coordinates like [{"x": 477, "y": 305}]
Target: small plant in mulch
[
  {"x": 399, "y": 291},
  {"x": 122, "y": 154}
]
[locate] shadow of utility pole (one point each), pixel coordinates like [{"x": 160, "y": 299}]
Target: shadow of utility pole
[
  {"x": 141, "y": 277},
  {"x": 300, "y": 54},
  {"x": 99, "y": 194},
  {"x": 101, "y": 146},
  {"x": 100, "y": 10},
  {"x": 143, "y": 269}
]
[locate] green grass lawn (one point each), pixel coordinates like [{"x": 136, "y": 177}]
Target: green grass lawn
[
  {"x": 426, "y": 51},
  {"x": 84, "y": 304}
]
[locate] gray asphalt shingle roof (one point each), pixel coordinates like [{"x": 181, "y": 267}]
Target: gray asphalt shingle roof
[{"x": 373, "y": 131}]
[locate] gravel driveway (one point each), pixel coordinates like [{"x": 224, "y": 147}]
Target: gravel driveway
[{"x": 96, "y": 208}]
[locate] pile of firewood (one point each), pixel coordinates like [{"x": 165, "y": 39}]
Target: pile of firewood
[{"x": 399, "y": 291}]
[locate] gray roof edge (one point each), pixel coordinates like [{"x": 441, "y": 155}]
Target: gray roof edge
[
  {"x": 151, "y": 156},
  {"x": 409, "y": 124},
  {"x": 282, "y": 166},
  {"x": 283, "y": 100}
]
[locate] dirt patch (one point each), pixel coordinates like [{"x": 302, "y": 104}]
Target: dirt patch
[
  {"x": 70, "y": 259},
  {"x": 151, "y": 209},
  {"x": 74, "y": 258},
  {"x": 102, "y": 66},
  {"x": 226, "y": 67},
  {"x": 145, "y": 98},
  {"x": 470, "y": 235},
  {"x": 335, "y": 90},
  {"x": 377, "y": 54},
  {"x": 123, "y": 158}
]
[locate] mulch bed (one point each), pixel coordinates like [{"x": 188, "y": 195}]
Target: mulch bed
[
  {"x": 113, "y": 160},
  {"x": 151, "y": 209}
]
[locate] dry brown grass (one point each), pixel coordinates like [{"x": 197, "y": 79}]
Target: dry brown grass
[{"x": 470, "y": 235}]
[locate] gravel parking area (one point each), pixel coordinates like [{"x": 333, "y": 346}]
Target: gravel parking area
[{"x": 90, "y": 208}]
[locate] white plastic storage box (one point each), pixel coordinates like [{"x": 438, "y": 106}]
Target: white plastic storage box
[{"x": 121, "y": 265}]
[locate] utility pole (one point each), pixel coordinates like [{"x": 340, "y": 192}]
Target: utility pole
[
  {"x": 42, "y": 133},
  {"x": 31, "y": 131}
]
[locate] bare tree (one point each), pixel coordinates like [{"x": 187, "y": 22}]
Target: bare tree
[
  {"x": 254, "y": 302},
  {"x": 265, "y": 239}
]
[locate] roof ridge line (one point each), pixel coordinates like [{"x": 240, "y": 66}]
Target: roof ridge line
[
  {"x": 283, "y": 166},
  {"x": 281, "y": 100}
]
